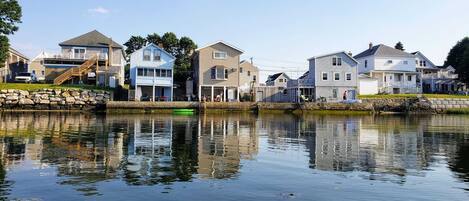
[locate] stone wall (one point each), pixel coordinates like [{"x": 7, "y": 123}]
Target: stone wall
[
  {"x": 448, "y": 103},
  {"x": 399, "y": 104},
  {"x": 53, "y": 99}
]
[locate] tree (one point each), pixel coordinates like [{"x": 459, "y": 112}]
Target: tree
[
  {"x": 458, "y": 57},
  {"x": 10, "y": 16},
  {"x": 154, "y": 38},
  {"x": 399, "y": 46},
  {"x": 170, "y": 43},
  {"x": 134, "y": 43}
]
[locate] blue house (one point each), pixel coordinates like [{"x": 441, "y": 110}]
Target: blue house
[{"x": 151, "y": 74}]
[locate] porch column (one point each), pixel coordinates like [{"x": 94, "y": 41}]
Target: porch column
[
  {"x": 136, "y": 98},
  {"x": 237, "y": 94},
  {"x": 211, "y": 96},
  {"x": 200, "y": 93},
  {"x": 153, "y": 92},
  {"x": 171, "y": 96},
  {"x": 224, "y": 94}
]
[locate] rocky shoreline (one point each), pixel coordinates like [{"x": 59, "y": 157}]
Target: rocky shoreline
[{"x": 53, "y": 99}]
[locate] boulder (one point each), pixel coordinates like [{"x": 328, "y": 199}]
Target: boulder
[
  {"x": 69, "y": 99},
  {"x": 55, "y": 99},
  {"x": 23, "y": 93},
  {"x": 26, "y": 101},
  {"x": 44, "y": 102},
  {"x": 12, "y": 98}
]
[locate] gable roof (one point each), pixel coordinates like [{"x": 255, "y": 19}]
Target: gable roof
[
  {"x": 91, "y": 39},
  {"x": 157, "y": 47},
  {"x": 222, "y": 42},
  {"x": 341, "y": 52},
  {"x": 275, "y": 76},
  {"x": 420, "y": 53},
  {"x": 304, "y": 75},
  {"x": 14, "y": 51},
  {"x": 383, "y": 51},
  {"x": 244, "y": 61}
]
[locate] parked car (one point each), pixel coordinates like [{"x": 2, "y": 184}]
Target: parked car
[{"x": 25, "y": 77}]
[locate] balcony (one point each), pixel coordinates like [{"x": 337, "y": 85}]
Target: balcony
[
  {"x": 101, "y": 56},
  {"x": 440, "y": 76}
]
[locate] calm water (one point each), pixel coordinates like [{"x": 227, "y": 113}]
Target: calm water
[{"x": 61, "y": 156}]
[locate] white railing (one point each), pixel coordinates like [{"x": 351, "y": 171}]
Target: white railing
[
  {"x": 440, "y": 76},
  {"x": 101, "y": 56}
]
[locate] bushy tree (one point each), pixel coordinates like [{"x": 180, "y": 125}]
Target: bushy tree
[
  {"x": 458, "y": 57},
  {"x": 134, "y": 43},
  {"x": 399, "y": 46},
  {"x": 10, "y": 16}
]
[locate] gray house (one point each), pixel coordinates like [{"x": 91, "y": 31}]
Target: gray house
[{"x": 331, "y": 77}]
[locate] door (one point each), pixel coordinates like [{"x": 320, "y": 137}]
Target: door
[
  {"x": 396, "y": 91},
  {"x": 259, "y": 96},
  {"x": 351, "y": 94}
]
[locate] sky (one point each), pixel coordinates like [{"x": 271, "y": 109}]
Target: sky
[{"x": 278, "y": 34}]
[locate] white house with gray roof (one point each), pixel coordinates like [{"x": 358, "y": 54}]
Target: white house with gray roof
[
  {"x": 331, "y": 77},
  {"x": 437, "y": 79},
  {"x": 394, "y": 69}
]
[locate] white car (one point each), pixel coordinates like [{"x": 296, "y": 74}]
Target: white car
[{"x": 25, "y": 77}]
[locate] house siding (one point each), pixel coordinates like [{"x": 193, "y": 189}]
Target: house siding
[{"x": 205, "y": 62}]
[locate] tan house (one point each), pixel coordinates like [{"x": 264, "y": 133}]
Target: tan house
[
  {"x": 15, "y": 63},
  {"x": 87, "y": 59},
  {"x": 216, "y": 72},
  {"x": 248, "y": 77}
]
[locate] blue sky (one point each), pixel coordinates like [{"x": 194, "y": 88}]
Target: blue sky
[{"x": 278, "y": 34}]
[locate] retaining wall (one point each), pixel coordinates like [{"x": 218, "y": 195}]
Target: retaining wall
[{"x": 449, "y": 103}]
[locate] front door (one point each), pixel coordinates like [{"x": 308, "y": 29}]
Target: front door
[
  {"x": 259, "y": 96},
  {"x": 351, "y": 94}
]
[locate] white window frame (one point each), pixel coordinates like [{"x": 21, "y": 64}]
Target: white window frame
[
  {"x": 322, "y": 76},
  {"x": 79, "y": 48},
  {"x": 219, "y": 52},
  {"x": 336, "y": 73},
  {"x": 156, "y": 52},
  {"x": 143, "y": 55},
  {"x": 346, "y": 78},
  {"x": 225, "y": 73}
]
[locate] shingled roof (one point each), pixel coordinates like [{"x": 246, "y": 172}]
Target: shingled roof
[
  {"x": 383, "y": 51},
  {"x": 276, "y": 75},
  {"x": 90, "y": 39}
]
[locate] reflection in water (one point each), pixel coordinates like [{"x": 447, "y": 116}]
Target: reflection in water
[{"x": 145, "y": 150}]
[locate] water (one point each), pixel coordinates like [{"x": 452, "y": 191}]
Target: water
[{"x": 73, "y": 156}]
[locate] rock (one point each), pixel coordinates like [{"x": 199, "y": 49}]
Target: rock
[
  {"x": 55, "y": 99},
  {"x": 3, "y": 91},
  {"x": 12, "y": 98},
  {"x": 44, "y": 102},
  {"x": 11, "y": 91},
  {"x": 45, "y": 96},
  {"x": 24, "y": 93},
  {"x": 80, "y": 103},
  {"x": 3, "y": 96},
  {"x": 69, "y": 99},
  {"x": 75, "y": 93},
  {"x": 25, "y": 101},
  {"x": 66, "y": 94}
]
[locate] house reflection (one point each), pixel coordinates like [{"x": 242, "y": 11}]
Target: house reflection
[{"x": 223, "y": 142}]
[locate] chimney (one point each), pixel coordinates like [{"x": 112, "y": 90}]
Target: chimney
[{"x": 370, "y": 45}]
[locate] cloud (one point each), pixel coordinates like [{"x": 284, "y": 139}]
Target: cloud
[{"x": 99, "y": 10}]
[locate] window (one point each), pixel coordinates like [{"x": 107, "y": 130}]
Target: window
[
  {"x": 366, "y": 63},
  {"x": 280, "y": 80},
  {"x": 409, "y": 78},
  {"x": 157, "y": 72},
  {"x": 389, "y": 61},
  {"x": 385, "y": 78},
  {"x": 156, "y": 55},
  {"x": 399, "y": 78},
  {"x": 416, "y": 62},
  {"x": 79, "y": 53},
  {"x": 219, "y": 55},
  {"x": 339, "y": 61},
  {"x": 169, "y": 73},
  {"x": 390, "y": 77},
  {"x": 163, "y": 73},
  {"x": 334, "y": 93},
  {"x": 213, "y": 73},
  {"x": 424, "y": 63},
  {"x": 146, "y": 55},
  {"x": 240, "y": 70},
  {"x": 140, "y": 72},
  {"x": 324, "y": 76},
  {"x": 249, "y": 73},
  {"x": 226, "y": 73},
  {"x": 334, "y": 61},
  {"x": 34, "y": 72},
  {"x": 43, "y": 73},
  {"x": 254, "y": 77},
  {"x": 348, "y": 76},
  {"x": 336, "y": 76},
  {"x": 405, "y": 62},
  {"x": 151, "y": 72}
]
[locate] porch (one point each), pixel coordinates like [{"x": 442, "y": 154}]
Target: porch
[
  {"x": 398, "y": 82},
  {"x": 213, "y": 93},
  {"x": 153, "y": 93}
]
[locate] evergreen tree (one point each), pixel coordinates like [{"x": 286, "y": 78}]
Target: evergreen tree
[
  {"x": 10, "y": 16},
  {"x": 458, "y": 57},
  {"x": 399, "y": 46}
]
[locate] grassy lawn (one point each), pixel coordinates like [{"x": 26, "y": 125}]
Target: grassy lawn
[
  {"x": 384, "y": 96},
  {"x": 26, "y": 86}
]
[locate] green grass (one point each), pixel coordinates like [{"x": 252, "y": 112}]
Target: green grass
[
  {"x": 26, "y": 86},
  {"x": 384, "y": 96},
  {"x": 457, "y": 111}
]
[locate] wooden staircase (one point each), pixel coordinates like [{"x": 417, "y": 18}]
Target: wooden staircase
[{"x": 76, "y": 71}]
